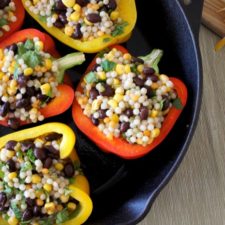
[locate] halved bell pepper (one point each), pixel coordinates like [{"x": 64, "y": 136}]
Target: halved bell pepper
[
  {"x": 14, "y": 26},
  {"x": 61, "y": 103},
  {"x": 119, "y": 146},
  {"x": 80, "y": 186},
  {"x": 128, "y": 13}
]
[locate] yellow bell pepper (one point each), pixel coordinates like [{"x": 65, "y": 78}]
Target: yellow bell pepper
[
  {"x": 80, "y": 186},
  {"x": 127, "y": 12}
]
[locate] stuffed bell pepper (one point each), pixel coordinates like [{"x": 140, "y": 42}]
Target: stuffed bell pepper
[
  {"x": 41, "y": 181},
  {"x": 31, "y": 76},
  {"x": 86, "y": 25},
  {"x": 124, "y": 101},
  {"x": 11, "y": 17}
]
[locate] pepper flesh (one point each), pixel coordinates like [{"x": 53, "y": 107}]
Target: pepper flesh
[
  {"x": 119, "y": 146},
  {"x": 57, "y": 105},
  {"x": 128, "y": 14},
  {"x": 14, "y": 26},
  {"x": 80, "y": 186}
]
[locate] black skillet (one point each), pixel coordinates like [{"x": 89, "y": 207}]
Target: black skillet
[{"x": 123, "y": 191}]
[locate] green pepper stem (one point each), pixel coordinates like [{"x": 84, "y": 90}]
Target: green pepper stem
[
  {"x": 68, "y": 62},
  {"x": 153, "y": 59}
]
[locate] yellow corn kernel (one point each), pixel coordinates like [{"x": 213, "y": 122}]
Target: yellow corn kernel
[
  {"x": 127, "y": 56},
  {"x": 11, "y": 70},
  {"x": 139, "y": 141},
  {"x": 45, "y": 88},
  {"x": 154, "y": 86},
  {"x": 113, "y": 103},
  {"x": 55, "y": 16},
  {"x": 1, "y": 54},
  {"x": 115, "y": 118},
  {"x": 68, "y": 30},
  {"x": 45, "y": 171},
  {"x": 93, "y": 6},
  {"x": 12, "y": 175},
  {"x": 116, "y": 82},
  {"x": 13, "y": 221},
  {"x": 110, "y": 136},
  {"x": 102, "y": 75},
  {"x": 135, "y": 97},
  {"x": 140, "y": 68},
  {"x": 1, "y": 75},
  {"x": 87, "y": 22},
  {"x": 163, "y": 77},
  {"x": 5, "y": 78},
  {"x": 13, "y": 83},
  {"x": 96, "y": 104},
  {"x": 48, "y": 187},
  {"x": 82, "y": 100},
  {"x": 64, "y": 198},
  {"x": 10, "y": 14},
  {"x": 28, "y": 71},
  {"x": 112, "y": 124},
  {"x": 35, "y": 2},
  {"x": 100, "y": 33},
  {"x": 154, "y": 113},
  {"x": 50, "y": 208},
  {"x": 10, "y": 154},
  {"x": 11, "y": 91},
  {"x": 69, "y": 3},
  {"x": 147, "y": 133},
  {"x": 155, "y": 133},
  {"x": 59, "y": 166},
  {"x": 75, "y": 16},
  {"x": 36, "y": 179},
  {"x": 120, "y": 69},
  {"x": 118, "y": 97},
  {"x": 77, "y": 7},
  {"x": 127, "y": 69},
  {"x": 39, "y": 202},
  {"x": 106, "y": 120},
  {"x": 37, "y": 68},
  {"x": 71, "y": 206},
  {"x": 39, "y": 45},
  {"x": 59, "y": 208},
  {"x": 114, "y": 15},
  {"x": 48, "y": 64}
]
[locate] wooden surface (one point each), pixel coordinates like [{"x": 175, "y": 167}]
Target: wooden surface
[
  {"x": 212, "y": 18},
  {"x": 196, "y": 194}
]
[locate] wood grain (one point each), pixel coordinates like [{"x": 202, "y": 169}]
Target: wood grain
[
  {"x": 196, "y": 194},
  {"x": 212, "y": 18}
]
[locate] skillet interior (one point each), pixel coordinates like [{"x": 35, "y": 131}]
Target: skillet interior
[{"x": 123, "y": 191}]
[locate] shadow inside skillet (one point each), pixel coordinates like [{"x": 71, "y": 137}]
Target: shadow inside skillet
[{"x": 123, "y": 190}]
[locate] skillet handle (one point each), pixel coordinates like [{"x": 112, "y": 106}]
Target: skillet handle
[{"x": 193, "y": 11}]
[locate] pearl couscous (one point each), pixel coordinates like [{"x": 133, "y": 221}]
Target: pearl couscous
[
  {"x": 27, "y": 81},
  {"x": 125, "y": 98},
  {"x": 80, "y": 19},
  {"x": 34, "y": 182},
  {"x": 7, "y": 15}
]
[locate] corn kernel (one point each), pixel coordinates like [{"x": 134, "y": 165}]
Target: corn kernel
[
  {"x": 1, "y": 75},
  {"x": 155, "y": 133},
  {"x": 69, "y": 3},
  {"x": 59, "y": 208},
  {"x": 37, "y": 68},
  {"x": 77, "y": 7},
  {"x": 50, "y": 208},
  {"x": 106, "y": 120},
  {"x": 45, "y": 89},
  {"x": 36, "y": 179},
  {"x": 5, "y": 78},
  {"x": 75, "y": 16},
  {"x": 12, "y": 175},
  {"x": 154, "y": 113},
  {"x": 82, "y": 100},
  {"x": 96, "y": 104},
  {"x": 163, "y": 77},
  {"x": 135, "y": 97},
  {"x": 115, "y": 118},
  {"x": 28, "y": 71},
  {"x": 112, "y": 124},
  {"x": 140, "y": 68},
  {"x": 10, "y": 154},
  {"x": 100, "y": 33},
  {"x": 120, "y": 69},
  {"x": 39, "y": 202},
  {"x": 11, "y": 91},
  {"x": 45, "y": 171},
  {"x": 39, "y": 45},
  {"x": 13, "y": 83},
  {"x": 116, "y": 82},
  {"x": 35, "y": 2},
  {"x": 147, "y": 133},
  {"x": 109, "y": 136},
  {"x": 102, "y": 75},
  {"x": 114, "y": 15},
  {"x": 48, "y": 187},
  {"x": 55, "y": 16},
  {"x": 93, "y": 6},
  {"x": 64, "y": 198},
  {"x": 71, "y": 206},
  {"x": 139, "y": 141},
  {"x": 59, "y": 166},
  {"x": 154, "y": 86},
  {"x": 68, "y": 30},
  {"x": 118, "y": 97},
  {"x": 13, "y": 221},
  {"x": 87, "y": 22},
  {"x": 113, "y": 103},
  {"x": 11, "y": 70},
  {"x": 48, "y": 64}
]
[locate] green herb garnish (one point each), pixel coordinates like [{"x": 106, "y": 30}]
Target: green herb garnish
[
  {"x": 161, "y": 103},
  {"x": 101, "y": 54},
  {"x": 16, "y": 210},
  {"x": 91, "y": 78},
  {"x": 108, "y": 65},
  {"x": 177, "y": 103},
  {"x": 16, "y": 72},
  {"x": 3, "y": 22},
  {"x": 119, "y": 29},
  {"x": 32, "y": 58},
  {"x": 29, "y": 44},
  {"x": 62, "y": 216},
  {"x": 30, "y": 155},
  {"x": 134, "y": 69},
  {"x": 26, "y": 166},
  {"x": 42, "y": 19}
]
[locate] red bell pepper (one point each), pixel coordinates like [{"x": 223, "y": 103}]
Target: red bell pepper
[
  {"x": 119, "y": 146},
  {"x": 14, "y": 26},
  {"x": 62, "y": 102}
]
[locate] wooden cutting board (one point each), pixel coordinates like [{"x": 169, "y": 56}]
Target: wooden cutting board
[{"x": 212, "y": 18}]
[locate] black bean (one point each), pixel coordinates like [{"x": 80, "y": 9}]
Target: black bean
[
  {"x": 4, "y": 208},
  {"x": 166, "y": 103},
  {"x": 77, "y": 33},
  {"x": 11, "y": 165},
  {"x": 30, "y": 91},
  {"x": 94, "y": 93},
  {"x": 108, "y": 92},
  {"x": 26, "y": 145},
  {"x": 13, "y": 123},
  {"x": 124, "y": 126},
  {"x": 94, "y": 120},
  {"x": 10, "y": 145},
  {"x": 138, "y": 81},
  {"x": 51, "y": 149},
  {"x": 53, "y": 136},
  {"x": 30, "y": 202},
  {"x": 137, "y": 60},
  {"x": 102, "y": 114},
  {"x": 47, "y": 163},
  {"x": 22, "y": 103},
  {"x": 4, "y": 109},
  {"x": 36, "y": 211},
  {"x": 112, "y": 5},
  {"x": 82, "y": 3},
  {"x": 128, "y": 112},
  {"x": 22, "y": 80},
  {"x": 94, "y": 18},
  {"x": 63, "y": 18},
  {"x": 150, "y": 92},
  {"x": 143, "y": 113},
  {"x": 153, "y": 78},
  {"x": 53, "y": 156},
  {"x": 42, "y": 97},
  {"x": 27, "y": 215},
  {"x": 40, "y": 154},
  {"x": 13, "y": 48},
  {"x": 3, "y": 198},
  {"x": 148, "y": 71},
  {"x": 59, "y": 24},
  {"x": 104, "y": 8},
  {"x": 69, "y": 170},
  {"x": 4, "y": 3},
  {"x": 59, "y": 6}
]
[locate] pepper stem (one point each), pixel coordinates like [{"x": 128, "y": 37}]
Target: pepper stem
[
  {"x": 68, "y": 62},
  {"x": 153, "y": 59}
]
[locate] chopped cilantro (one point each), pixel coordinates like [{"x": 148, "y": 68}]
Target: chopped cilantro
[
  {"x": 32, "y": 58},
  {"x": 16, "y": 72},
  {"x": 3, "y": 22},
  {"x": 119, "y": 29},
  {"x": 16, "y": 210},
  {"x": 177, "y": 103},
  {"x": 90, "y": 78},
  {"x": 29, "y": 44},
  {"x": 62, "y": 216},
  {"x": 26, "y": 166},
  {"x": 30, "y": 155},
  {"x": 134, "y": 69},
  {"x": 108, "y": 65}
]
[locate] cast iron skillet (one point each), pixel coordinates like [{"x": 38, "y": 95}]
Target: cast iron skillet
[{"x": 123, "y": 191}]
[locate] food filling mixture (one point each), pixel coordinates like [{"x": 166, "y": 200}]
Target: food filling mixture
[
  {"x": 80, "y": 19},
  {"x": 34, "y": 182},
  {"x": 27, "y": 81},
  {"x": 7, "y": 15},
  {"x": 125, "y": 98}
]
